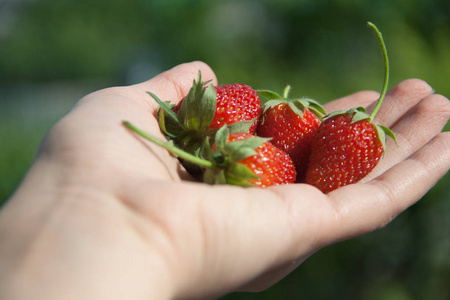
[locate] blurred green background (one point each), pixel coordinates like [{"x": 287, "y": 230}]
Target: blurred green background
[{"x": 54, "y": 52}]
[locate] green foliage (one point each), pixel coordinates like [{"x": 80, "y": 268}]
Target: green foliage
[{"x": 322, "y": 48}]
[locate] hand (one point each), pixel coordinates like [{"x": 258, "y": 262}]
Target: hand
[{"x": 104, "y": 214}]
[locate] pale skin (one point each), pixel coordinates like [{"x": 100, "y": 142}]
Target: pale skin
[{"x": 104, "y": 214}]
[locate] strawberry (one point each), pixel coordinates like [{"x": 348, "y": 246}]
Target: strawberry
[
  {"x": 291, "y": 123},
  {"x": 347, "y": 145},
  {"x": 234, "y": 103},
  {"x": 236, "y": 158},
  {"x": 267, "y": 164},
  {"x": 206, "y": 109}
]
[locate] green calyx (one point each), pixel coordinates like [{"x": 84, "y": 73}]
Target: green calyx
[
  {"x": 219, "y": 166},
  {"x": 359, "y": 114},
  {"x": 195, "y": 113},
  {"x": 298, "y": 105},
  {"x": 226, "y": 157}
]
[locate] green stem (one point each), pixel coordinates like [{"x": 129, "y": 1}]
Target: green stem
[
  {"x": 286, "y": 92},
  {"x": 386, "y": 66},
  {"x": 174, "y": 150}
]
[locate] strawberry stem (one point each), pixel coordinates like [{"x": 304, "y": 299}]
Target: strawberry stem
[
  {"x": 386, "y": 66},
  {"x": 170, "y": 147},
  {"x": 286, "y": 92}
]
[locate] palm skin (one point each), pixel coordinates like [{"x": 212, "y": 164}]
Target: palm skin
[{"x": 104, "y": 214}]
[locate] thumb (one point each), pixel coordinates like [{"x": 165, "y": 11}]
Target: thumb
[{"x": 175, "y": 83}]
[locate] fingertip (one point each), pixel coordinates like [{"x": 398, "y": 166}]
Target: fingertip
[{"x": 412, "y": 86}]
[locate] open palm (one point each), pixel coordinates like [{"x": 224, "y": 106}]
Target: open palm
[{"x": 117, "y": 216}]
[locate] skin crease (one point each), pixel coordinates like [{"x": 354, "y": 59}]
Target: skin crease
[{"x": 103, "y": 214}]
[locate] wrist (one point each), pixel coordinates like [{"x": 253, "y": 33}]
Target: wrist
[{"x": 64, "y": 242}]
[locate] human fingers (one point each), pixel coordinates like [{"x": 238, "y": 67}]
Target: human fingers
[
  {"x": 418, "y": 126},
  {"x": 399, "y": 100},
  {"x": 423, "y": 122}
]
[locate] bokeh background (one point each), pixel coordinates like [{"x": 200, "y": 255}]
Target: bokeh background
[{"x": 54, "y": 52}]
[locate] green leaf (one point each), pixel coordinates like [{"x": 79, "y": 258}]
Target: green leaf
[
  {"x": 168, "y": 110},
  {"x": 199, "y": 106},
  {"x": 207, "y": 107},
  {"x": 221, "y": 137},
  {"x": 238, "y": 150},
  {"x": 381, "y": 136},
  {"x": 297, "y": 106},
  {"x": 242, "y": 126},
  {"x": 389, "y": 133},
  {"x": 214, "y": 176},
  {"x": 382, "y": 132},
  {"x": 239, "y": 174},
  {"x": 206, "y": 149},
  {"x": 162, "y": 124},
  {"x": 335, "y": 113},
  {"x": 359, "y": 114},
  {"x": 315, "y": 106},
  {"x": 269, "y": 95},
  {"x": 270, "y": 104}
]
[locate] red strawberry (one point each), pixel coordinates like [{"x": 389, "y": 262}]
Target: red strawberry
[
  {"x": 347, "y": 146},
  {"x": 237, "y": 158},
  {"x": 291, "y": 123},
  {"x": 234, "y": 103},
  {"x": 343, "y": 151},
  {"x": 203, "y": 111},
  {"x": 271, "y": 165}
]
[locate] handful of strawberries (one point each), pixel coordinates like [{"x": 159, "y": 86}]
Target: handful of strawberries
[{"x": 232, "y": 134}]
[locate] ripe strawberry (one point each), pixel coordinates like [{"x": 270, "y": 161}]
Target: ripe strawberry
[
  {"x": 203, "y": 111},
  {"x": 347, "y": 146},
  {"x": 234, "y": 103},
  {"x": 237, "y": 158},
  {"x": 267, "y": 164},
  {"x": 291, "y": 123}
]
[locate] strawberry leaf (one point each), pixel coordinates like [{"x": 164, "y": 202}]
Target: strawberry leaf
[
  {"x": 389, "y": 133},
  {"x": 167, "y": 119},
  {"x": 239, "y": 174},
  {"x": 315, "y": 107},
  {"x": 269, "y": 95},
  {"x": 359, "y": 113},
  {"x": 242, "y": 126},
  {"x": 238, "y": 150},
  {"x": 165, "y": 106},
  {"x": 335, "y": 113},
  {"x": 221, "y": 137},
  {"x": 198, "y": 108},
  {"x": 381, "y": 136},
  {"x": 382, "y": 131},
  {"x": 214, "y": 176},
  {"x": 297, "y": 107}
]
